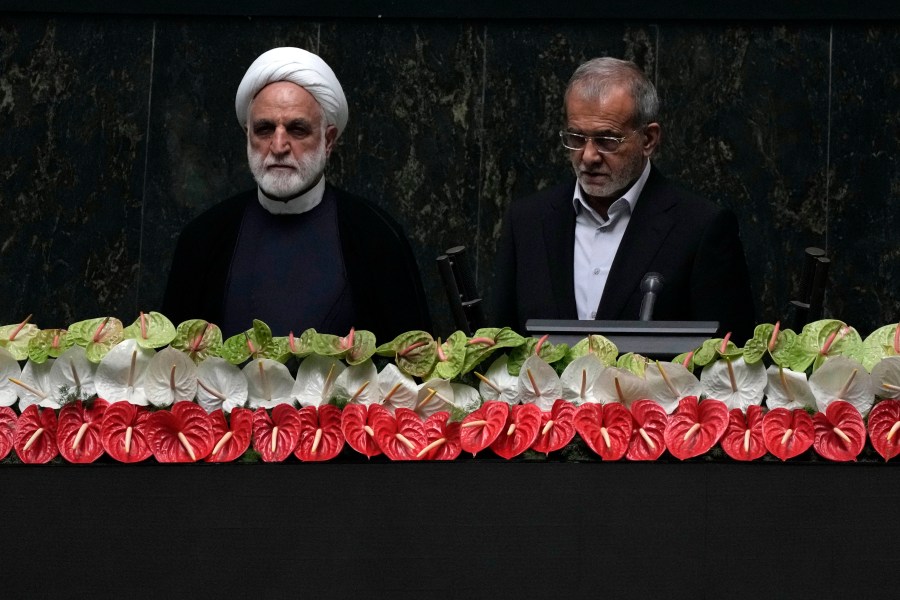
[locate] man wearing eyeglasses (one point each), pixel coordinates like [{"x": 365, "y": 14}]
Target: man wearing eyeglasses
[{"x": 581, "y": 249}]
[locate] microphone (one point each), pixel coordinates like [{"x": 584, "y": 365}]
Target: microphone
[{"x": 651, "y": 286}]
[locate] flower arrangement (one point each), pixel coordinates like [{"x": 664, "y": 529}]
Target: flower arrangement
[{"x": 185, "y": 394}]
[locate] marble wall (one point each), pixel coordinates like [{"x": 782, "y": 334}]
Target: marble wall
[{"x": 116, "y": 130}]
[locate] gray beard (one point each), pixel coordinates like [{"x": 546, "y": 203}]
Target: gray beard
[{"x": 284, "y": 186}]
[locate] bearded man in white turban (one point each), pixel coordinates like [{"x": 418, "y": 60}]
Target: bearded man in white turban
[{"x": 297, "y": 252}]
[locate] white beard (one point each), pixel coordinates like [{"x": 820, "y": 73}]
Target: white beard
[{"x": 285, "y": 185}]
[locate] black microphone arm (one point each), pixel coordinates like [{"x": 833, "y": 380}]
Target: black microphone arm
[{"x": 651, "y": 286}]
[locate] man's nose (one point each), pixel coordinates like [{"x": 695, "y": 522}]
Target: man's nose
[
  {"x": 590, "y": 154},
  {"x": 280, "y": 143}
]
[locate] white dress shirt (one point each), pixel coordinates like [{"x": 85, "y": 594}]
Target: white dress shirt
[{"x": 596, "y": 243}]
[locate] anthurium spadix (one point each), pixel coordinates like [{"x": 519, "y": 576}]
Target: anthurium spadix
[
  {"x": 170, "y": 377},
  {"x": 316, "y": 378},
  {"x": 788, "y": 389},
  {"x": 357, "y": 384},
  {"x": 397, "y": 389},
  {"x": 669, "y": 383},
  {"x": 615, "y": 384},
  {"x": 33, "y": 386},
  {"x": 15, "y": 338},
  {"x": 580, "y": 377},
  {"x": 72, "y": 375},
  {"x": 269, "y": 383},
  {"x": 9, "y": 370},
  {"x": 538, "y": 383},
  {"x": 734, "y": 382},
  {"x": 120, "y": 374},
  {"x": 220, "y": 384},
  {"x": 886, "y": 377},
  {"x": 842, "y": 378},
  {"x": 434, "y": 396},
  {"x": 497, "y": 383}
]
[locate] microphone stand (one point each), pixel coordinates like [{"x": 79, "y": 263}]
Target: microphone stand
[{"x": 465, "y": 303}]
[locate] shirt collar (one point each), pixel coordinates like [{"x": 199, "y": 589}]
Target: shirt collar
[
  {"x": 631, "y": 196},
  {"x": 303, "y": 203}
]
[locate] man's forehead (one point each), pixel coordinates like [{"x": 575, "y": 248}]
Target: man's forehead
[{"x": 285, "y": 95}]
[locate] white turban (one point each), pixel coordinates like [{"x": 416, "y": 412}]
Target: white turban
[{"x": 297, "y": 66}]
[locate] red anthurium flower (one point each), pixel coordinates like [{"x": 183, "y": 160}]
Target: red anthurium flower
[
  {"x": 840, "y": 432},
  {"x": 884, "y": 428},
  {"x": 743, "y": 439},
  {"x": 442, "y": 436},
  {"x": 787, "y": 433},
  {"x": 7, "y": 430},
  {"x": 78, "y": 434},
  {"x": 605, "y": 428},
  {"x": 481, "y": 427},
  {"x": 695, "y": 427},
  {"x": 523, "y": 426},
  {"x": 356, "y": 425},
  {"x": 181, "y": 434},
  {"x": 231, "y": 436},
  {"x": 557, "y": 427},
  {"x": 321, "y": 437},
  {"x": 124, "y": 432},
  {"x": 35, "y": 441},
  {"x": 400, "y": 436},
  {"x": 276, "y": 436},
  {"x": 648, "y": 434}
]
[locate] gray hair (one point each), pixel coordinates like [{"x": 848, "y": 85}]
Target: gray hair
[{"x": 598, "y": 76}]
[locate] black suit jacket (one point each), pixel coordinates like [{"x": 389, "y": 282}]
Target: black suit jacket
[
  {"x": 388, "y": 296},
  {"x": 693, "y": 243}
]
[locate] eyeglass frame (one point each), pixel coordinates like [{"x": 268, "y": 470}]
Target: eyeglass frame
[{"x": 593, "y": 139}]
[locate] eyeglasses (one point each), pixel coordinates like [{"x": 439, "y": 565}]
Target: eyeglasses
[{"x": 603, "y": 143}]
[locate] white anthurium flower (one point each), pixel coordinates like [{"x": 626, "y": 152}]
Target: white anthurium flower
[
  {"x": 71, "y": 373},
  {"x": 842, "y": 378},
  {"x": 433, "y": 396},
  {"x": 538, "y": 383},
  {"x": 670, "y": 382},
  {"x": 120, "y": 374},
  {"x": 398, "y": 390},
  {"x": 886, "y": 377},
  {"x": 221, "y": 384},
  {"x": 34, "y": 384},
  {"x": 619, "y": 385},
  {"x": 498, "y": 384},
  {"x": 580, "y": 377},
  {"x": 170, "y": 377},
  {"x": 358, "y": 384},
  {"x": 788, "y": 389},
  {"x": 465, "y": 397},
  {"x": 734, "y": 382},
  {"x": 316, "y": 379},
  {"x": 269, "y": 383},
  {"x": 9, "y": 368}
]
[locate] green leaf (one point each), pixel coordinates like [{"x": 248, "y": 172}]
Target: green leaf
[
  {"x": 198, "y": 339},
  {"x": 632, "y": 362},
  {"x": 97, "y": 336},
  {"x": 707, "y": 352},
  {"x": 157, "y": 330},
  {"x": 49, "y": 343},
  {"x": 599, "y": 345},
  {"x": 454, "y": 351},
  {"x": 550, "y": 353},
  {"x": 881, "y": 343},
  {"x": 486, "y": 341}
]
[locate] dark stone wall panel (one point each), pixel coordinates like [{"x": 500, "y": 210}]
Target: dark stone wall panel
[{"x": 73, "y": 95}]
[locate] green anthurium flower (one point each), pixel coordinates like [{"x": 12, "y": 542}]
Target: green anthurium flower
[
  {"x": 414, "y": 352},
  {"x": 598, "y": 345},
  {"x": 48, "y": 343},
  {"x": 635, "y": 363},
  {"x": 15, "y": 338},
  {"x": 451, "y": 356},
  {"x": 486, "y": 341},
  {"x": 151, "y": 330},
  {"x": 550, "y": 353},
  {"x": 820, "y": 340},
  {"x": 97, "y": 336},
  {"x": 881, "y": 343},
  {"x": 198, "y": 339}
]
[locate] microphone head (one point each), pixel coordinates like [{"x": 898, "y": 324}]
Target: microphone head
[{"x": 652, "y": 282}]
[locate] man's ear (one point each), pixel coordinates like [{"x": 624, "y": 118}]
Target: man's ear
[
  {"x": 652, "y": 138},
  {"x": 330, "y": 138}
]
